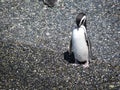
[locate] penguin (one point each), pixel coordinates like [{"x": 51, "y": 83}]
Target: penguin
[
  {"x": 50, "y": 3},
  {"x": 80, "y": 44}
]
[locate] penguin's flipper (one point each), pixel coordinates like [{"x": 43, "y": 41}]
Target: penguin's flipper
[
  {"x": 89, "y": 45},
  {"x": 91, "y": 56}
]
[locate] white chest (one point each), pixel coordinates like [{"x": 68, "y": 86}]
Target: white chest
[
  {"x": 79, "y": 44},
  {"x": 78, "y": 38}
]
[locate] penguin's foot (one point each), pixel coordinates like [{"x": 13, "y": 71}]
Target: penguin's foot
[{"x": 86, "y": 65}]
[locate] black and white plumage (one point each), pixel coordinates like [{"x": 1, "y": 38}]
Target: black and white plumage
[
  {"x": 80, "y": 43},
  {"x": 50, "y": 3}
]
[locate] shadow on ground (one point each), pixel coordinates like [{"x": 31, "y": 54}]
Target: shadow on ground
[{"x": 69, "y": 57}]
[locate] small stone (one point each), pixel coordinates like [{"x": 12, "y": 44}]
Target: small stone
[
  {"x": 34, "y": 70},
  {"x": 2, "y": 0},
  {"x": 47, "y": 33},
  {"x": 111, "y": 86}
]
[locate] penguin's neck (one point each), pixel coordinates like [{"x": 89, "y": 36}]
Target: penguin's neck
[{"x": 82, "y": 27}]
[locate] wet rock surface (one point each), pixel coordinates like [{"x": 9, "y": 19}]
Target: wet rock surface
[{"x": 33, "y": 40}]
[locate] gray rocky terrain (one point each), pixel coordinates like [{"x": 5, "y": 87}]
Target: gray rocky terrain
[{"x": 34, "y": 39}]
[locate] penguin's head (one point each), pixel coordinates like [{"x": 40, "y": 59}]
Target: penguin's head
[{"x": 81, "y": 19}]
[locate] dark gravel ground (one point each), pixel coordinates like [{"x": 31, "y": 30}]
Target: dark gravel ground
[{"x": 33, "y": 40}]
